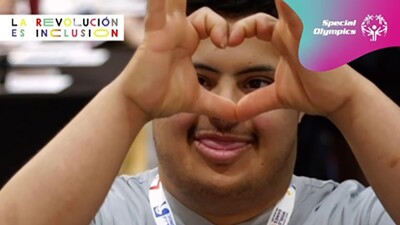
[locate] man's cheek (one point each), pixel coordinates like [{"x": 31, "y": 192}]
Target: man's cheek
[{"x": 276, "y": 122}]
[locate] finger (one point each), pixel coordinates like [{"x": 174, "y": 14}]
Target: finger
[
  {"x": 156, "y": 15},
  {"x": 284, "y": 42},
  {"x": 216, "y": 106},
  {"x": 291, "y": 18},
  {"x": 288, "y": 32},
  {"x": 264, "y": 99},
  {"x": 260, "y": 25},
  {"x": 259, "y": 101},
  {"x": 209, "y": 24},
  {"x": 176, "y": 5}
]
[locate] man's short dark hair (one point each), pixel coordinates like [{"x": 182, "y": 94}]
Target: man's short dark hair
[{"x": 234, "y": 8}]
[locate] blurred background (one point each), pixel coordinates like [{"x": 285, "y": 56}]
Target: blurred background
[
  {"x": 322, "y": 150},
  {"x": 44, "y": 85}
]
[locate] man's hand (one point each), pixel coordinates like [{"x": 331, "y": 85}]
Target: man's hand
[
  {"x": 160, "y": 79},
  {"x": 294, "y": 87},
  {"x": 365, "y": 116}
]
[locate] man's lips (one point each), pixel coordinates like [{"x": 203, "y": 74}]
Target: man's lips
[
  {"x": 223, "y": 145},
  {"x": 222, "y": 148}
]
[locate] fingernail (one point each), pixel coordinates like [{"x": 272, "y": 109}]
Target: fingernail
[{"x": 224, "y": 43}]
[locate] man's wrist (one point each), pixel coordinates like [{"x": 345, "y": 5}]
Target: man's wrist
[
  {"x": 354, "y": 105},
  {"x": 132, "y": 111}
]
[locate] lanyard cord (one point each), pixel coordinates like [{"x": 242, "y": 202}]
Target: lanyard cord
[{"x": 162, "y": 212}]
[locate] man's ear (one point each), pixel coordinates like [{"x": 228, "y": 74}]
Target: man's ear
[{"x": 301, "y": 115}]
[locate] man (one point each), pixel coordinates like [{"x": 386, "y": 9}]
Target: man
[{"x": 226, "y": 147}]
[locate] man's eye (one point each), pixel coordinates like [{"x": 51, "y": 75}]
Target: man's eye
[
  {"x": 204, "y": 82},
  {"x": 257, "y": 83}
]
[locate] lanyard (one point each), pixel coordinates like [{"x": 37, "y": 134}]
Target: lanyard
[{"x": 162, "y": 212}]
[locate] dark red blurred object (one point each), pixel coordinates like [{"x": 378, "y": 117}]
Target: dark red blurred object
[{"x": 34, "y": 4}]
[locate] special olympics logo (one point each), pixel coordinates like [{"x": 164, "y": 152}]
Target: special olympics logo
[{"x": 374, "y": 26}]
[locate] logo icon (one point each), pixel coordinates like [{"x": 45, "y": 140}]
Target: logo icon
[
  {"x": 161, "y": 210},
  {"x": 374, "y": 26}
]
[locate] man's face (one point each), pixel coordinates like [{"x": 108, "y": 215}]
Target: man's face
[{"x": 199, "y": 154}]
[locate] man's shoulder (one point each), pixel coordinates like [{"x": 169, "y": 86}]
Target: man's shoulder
[
  {"x": 331, "y": 202},
  {"x": 138, "y": 183},
  {"x": 144, "y": 178},
  {"x": 330, "y": 189},
  {"x": 313, "y": 191},
  {"x": 127, "y": 201},
  {"x": 314, "y": 184}
]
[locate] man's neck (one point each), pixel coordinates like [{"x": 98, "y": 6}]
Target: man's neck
[
  {"x": 250, "y": 213},
  {"x": 227, "y": 210}
]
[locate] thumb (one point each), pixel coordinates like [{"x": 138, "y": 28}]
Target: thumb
[
  {"x": 259, "y": 101},
  {"x": 267, "y": 98}
]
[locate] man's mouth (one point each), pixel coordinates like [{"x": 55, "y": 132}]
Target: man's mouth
[{"x": 222, "y": 148}]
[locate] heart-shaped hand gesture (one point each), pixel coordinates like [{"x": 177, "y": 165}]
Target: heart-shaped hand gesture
[
  {"x": 294, "y": 87},
  {"x": 161, "y": 79}
]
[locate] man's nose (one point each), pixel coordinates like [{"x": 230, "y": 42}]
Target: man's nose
[
  {"x": 222, "y": 125},
  {"x": 228, "y": 89}
]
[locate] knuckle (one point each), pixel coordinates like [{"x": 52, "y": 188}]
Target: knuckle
[
  {"x": 202, "y": 11},
  {"x": 205, "y": 9}
]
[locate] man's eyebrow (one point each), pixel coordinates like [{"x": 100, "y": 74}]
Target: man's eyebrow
[
  {"x": 205, "y": 67},
  {"x": 259, "y": 68},
  {"x": 253, "y": 69}
]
